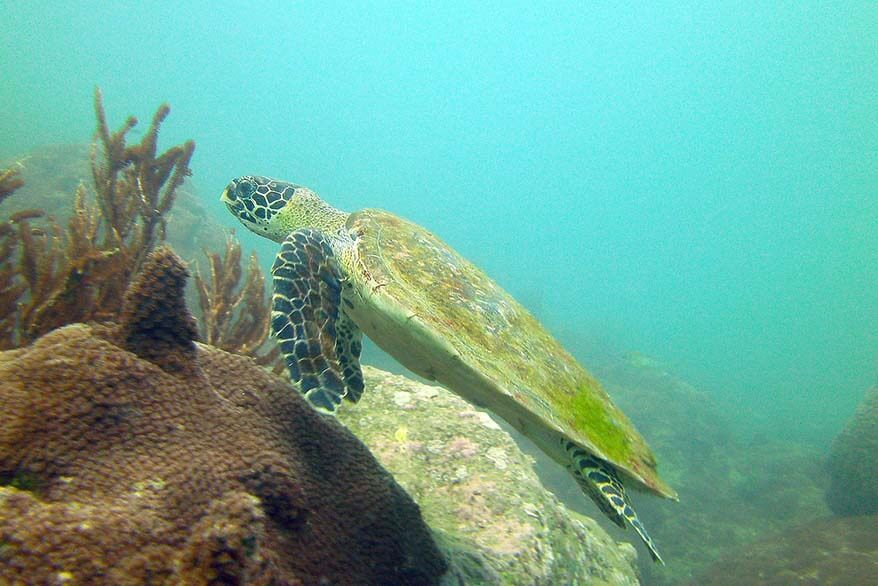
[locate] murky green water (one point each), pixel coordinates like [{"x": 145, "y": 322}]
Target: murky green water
[{"x": 699, "y": 185}]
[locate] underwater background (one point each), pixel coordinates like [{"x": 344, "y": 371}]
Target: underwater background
[{"x": 697, "y": 185}]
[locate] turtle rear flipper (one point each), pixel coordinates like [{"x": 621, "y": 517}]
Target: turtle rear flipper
[
  {"x": 599, "y": 481},
  {"x": 308, "y": 322}
]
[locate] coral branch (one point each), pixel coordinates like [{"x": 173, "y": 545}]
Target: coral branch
[
  {"x": 51, "y": 276},
  {"x": 10, "y": 180},
  {"x": 235, "y": 316},
  {"x": 135, "y": 187}
]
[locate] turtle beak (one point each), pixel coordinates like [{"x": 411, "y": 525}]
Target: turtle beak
[{"x": 230, "y": 198}]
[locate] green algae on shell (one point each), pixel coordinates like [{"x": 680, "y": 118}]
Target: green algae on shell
[{"x": 452, "y": 304}]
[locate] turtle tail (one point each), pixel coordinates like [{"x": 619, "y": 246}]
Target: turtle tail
[{"x": 599, "y": 481}]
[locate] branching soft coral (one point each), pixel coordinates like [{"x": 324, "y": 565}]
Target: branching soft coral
[
  {"x": 10, "y": 180},
  {"x": 135, "y": 188},
  {"x": 235, "y": 316},
  {"x": 72, "y": 275},
  {"x": 50, "y": 276}
]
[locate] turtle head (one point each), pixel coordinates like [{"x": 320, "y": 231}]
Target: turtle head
[{"x": 273, "y": 208}]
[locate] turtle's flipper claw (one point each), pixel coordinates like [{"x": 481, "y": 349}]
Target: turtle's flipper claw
[{"x": 306, "y": 316}]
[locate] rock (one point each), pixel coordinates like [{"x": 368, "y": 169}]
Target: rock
[
  {"x": 130, "y": 455},
  {"x": 853, "y": 462},
  {"x": 478, "y": 491},
  {"x": 51, "y": 174},
  {"x": 826, "y": 552},
  {"x": 734, "y": 488}
]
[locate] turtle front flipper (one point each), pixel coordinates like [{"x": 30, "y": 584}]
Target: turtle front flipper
[
  {"x": 348, "y": 345},
  {"x": 599, "y": 481},
  {"x": 306, "y": 319}
]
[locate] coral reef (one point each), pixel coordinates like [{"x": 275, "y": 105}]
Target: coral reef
[
  {"x": 52, "y": 174},
  {"x": 853, "y": 462},
  {"x": 130, "y": 454},
  {"x": 135, "y": 186},
  {"x": 61, "y": 273},
  {"x": 54, "y": 276},
  {"x": 155, "y": 323},
  {"x": 235, "y": 316},
  {"x": 826, "y": 552},
  {"x": 479, "y": 492},
  {"x": 234, "y": 311},
  {"x": 11, "y": 285}
]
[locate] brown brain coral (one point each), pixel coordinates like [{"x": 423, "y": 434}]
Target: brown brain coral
[{"x": 185, "y": 465}]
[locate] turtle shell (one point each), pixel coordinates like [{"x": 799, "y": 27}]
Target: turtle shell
[{"x": 444, "y": 318}]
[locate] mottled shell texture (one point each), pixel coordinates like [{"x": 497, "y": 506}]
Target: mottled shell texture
[{"x": 498, "y": 337}]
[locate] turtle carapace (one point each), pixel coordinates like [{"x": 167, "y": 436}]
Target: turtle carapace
[{"x": 338, "y": 276}]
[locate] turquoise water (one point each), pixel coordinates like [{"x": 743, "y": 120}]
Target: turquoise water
[{"x": 697, "y": 184}]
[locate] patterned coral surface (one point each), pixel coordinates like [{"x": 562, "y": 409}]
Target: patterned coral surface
[{"x": 124, "y": 461}]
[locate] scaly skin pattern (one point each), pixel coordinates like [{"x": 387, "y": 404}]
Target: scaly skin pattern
[
  {"x": 599, "y": 481},
  {"x": 309, "y": 324},
  {"x": 319, "y": 343}
]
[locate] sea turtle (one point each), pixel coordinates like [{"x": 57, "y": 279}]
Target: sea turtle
[{"x": 339, "y": 276}]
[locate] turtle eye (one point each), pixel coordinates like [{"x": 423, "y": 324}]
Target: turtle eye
[{"x": 246, "y": 188}]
